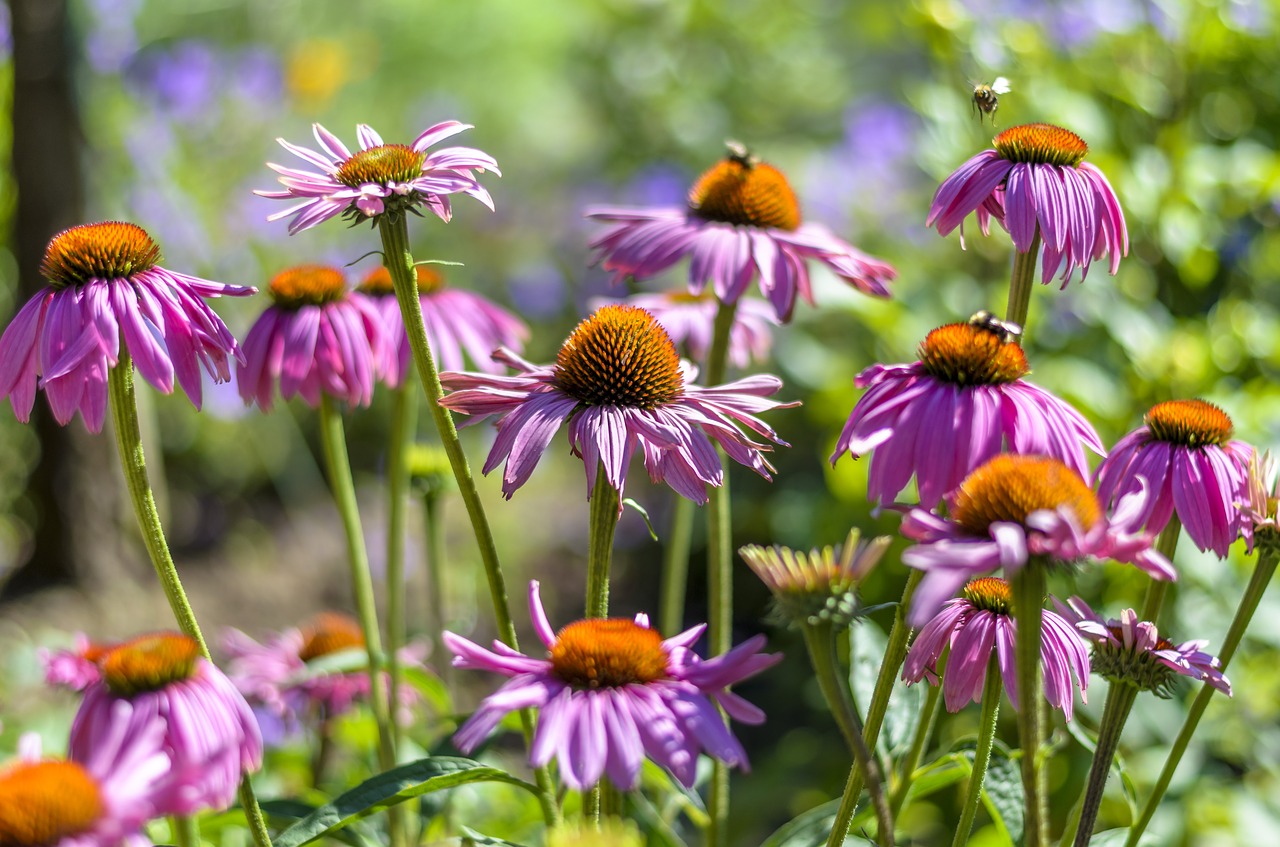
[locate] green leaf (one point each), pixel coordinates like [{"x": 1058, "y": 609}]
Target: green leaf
[
  {"x": 285, "y": 812},
  {"x": 444, "y": 262},
  {"x": 811, "y": 829},
  {"x": 644, "y": 514},
  {"x": 388, "y": 789},
  {"x": 866, "y": 654},
  {"x": 431, "y": 688},
  {"x": 1117, "y": 838},
  {"x": 1002, "y": 795},
  {"x": 471, "y": 837},
  {"x": 658, "y": 832}
]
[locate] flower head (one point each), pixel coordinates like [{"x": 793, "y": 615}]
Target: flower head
[
  {"x": 210, "y": 734},
  {"x": 978, "y": 623},
  {"x": 106, "y": 287},
  {"x": 610, "y": 692},
  {"x": 819, "y": 586},
  {"x": 1036, "y": 181},
  {"x": 378, "y": 178},
  {"x": 76, "y": 668},
  {"x": 1131, "y": 651},
  {"x": 1185, "y": 452},
  {"x": 960, "y": 404},
  {"x": 457, "y": 321},
  {"x": 1259, "y": 512},
  {"x": 742, "y": 221},
  {"x": 690, "y": 321},
  {"x": 620, "y": 386},
  {"x": 100, "y": 800},
  {"x": 316, "y": 337},
  {"x": 288, "y": 674},
  {"x": 1014, "y": 507}
]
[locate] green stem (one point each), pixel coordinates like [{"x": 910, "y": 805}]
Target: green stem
[
  {"x": 124, "y": 415},
  {"x": 675, "y": 566},
  {"x": 894, "y": 653},
  {"x": 1028, "y": 586},
  {"x": 604, "y": 522},
  {"x": 1166, "y": 545},
  {"x": 848, "y": 805},
  {"x": 820, "y": 640},
  {"x": 982, "y": 755},
  {"x": 434, "y": 531},
  {"x": 337, "y": 464},
  {"x": 398, "y": 259},
  {"x": 185, "y": 831},
  {"x": 1120, "y": 697},
  {"x": 1021, "y": 281},
  {"x": 1268, "y": 556},
  {"x": 924, "y": 731},
  {"x": 404, "y": 420}
]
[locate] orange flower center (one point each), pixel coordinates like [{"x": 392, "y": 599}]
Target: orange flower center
[
  {"x": 1190, "y": 423},
  {"x": 1041, "y": 144},
  {"x": 378, "y": 282},
  {"x": 744, "y": 191},
  {"x": 620, "y": 356},
  {"x": 42, "y": 803},
  {"x": 989, "y": 593},
  {"x": 149, "y": 663},
  {"x": 608, "y": 653},
  {"x": 383, "y": 164},
  {"x": 330, "y": 632},
  {"x": 1010, "y": 487},
  {"x": 307, "y": 285},
  {"x": 111, "y": 250},
  {"x": 967, "y": 354}
]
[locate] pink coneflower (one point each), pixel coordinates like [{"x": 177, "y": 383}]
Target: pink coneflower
[
  {"x": 1260, "y": 512},
  {"x": 619, "y": 384},
  {"x": 1036, "y": 180},
  {"x": 284, "y": 674},
  {"x": 976, "y": 623},
  {"x": 457, "y": 321},
  {"x": 742, "y": 221},
  {"x": 962, "y": 403},
  {"x": 101, "y": 800},
  {"x": 1185, "y": 452},
  {"x": 318, "y": 336},
  {"x": 610, "y": 692},
  {"x": 1132, "y": 651},
  {"x": 379, "y": 178},
  {"x": 106, "y": 287},
  {"x": 210, "y": 734},
  {"x": 1014, "y": 507},
  {"x": 76, "y": 668},
  {"x": 690, "y": 321}
]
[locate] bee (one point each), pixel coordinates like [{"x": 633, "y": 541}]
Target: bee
[
  {"x": 1006, "y": 330},
  {"x": 986, "y": 98}
]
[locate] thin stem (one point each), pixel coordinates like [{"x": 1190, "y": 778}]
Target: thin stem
[
  {"x": 1021, "y": 282},
  {"x": 1028, "y": 586},
  {"x": 820, "y": 640},
  {"x": 848, "y": 805},
  {"x": 1166, "y": 545},
  {"x": 133, "y": 462},
  {"x": 433, "y": 518},
  {"x": 982, "y": 755},
  {"x": 1268, "y": 556},
  {"x": 337, "y": 465},
  {"x": 924, "y": 731},
  {"x": 675, "y": 566},
  {"x": 186, "y": 833},
  {"x": 1120, "y": 697},
  {"x": 895, "y": 651},
  {"x": 324, "y": 749},
  {"x": 404, "y": 420},
  {"x": 604, "y": 522},
  {"x": 398, "y": 260}
]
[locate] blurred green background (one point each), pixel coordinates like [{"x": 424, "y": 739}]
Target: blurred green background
[{"x": 866, "y": 107}]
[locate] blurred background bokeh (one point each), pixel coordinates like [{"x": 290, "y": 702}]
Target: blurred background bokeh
[{"x": 163, "y": 113}]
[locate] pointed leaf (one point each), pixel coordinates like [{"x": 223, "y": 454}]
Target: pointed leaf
[
  {"x": 644, "y": 514},
  {"x": 470, "y": 837},
  {"x": 285, "y": 812},
  {"x": 812, "y": 828},
  {"x": 388, "y": 789}
]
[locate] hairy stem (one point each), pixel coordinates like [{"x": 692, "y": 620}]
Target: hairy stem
[
  {"x": 1028, "y": 586},
  {"x": 1021, "y": 281},
  {"x": 603, "y": 524},
  {"x": 1120, "y": 697},
  {"x": 982, "y": 755},
  {"x": 404, "y": 419},
  {"x": 1166, "y": 544}
]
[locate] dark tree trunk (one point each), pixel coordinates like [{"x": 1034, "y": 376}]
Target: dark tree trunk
[{"x": 73, "y": 474}]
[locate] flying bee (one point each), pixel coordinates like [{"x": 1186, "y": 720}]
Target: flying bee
[
  {"x": 986, "y": 98},
  {"x": 1006, "y": 330}
]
